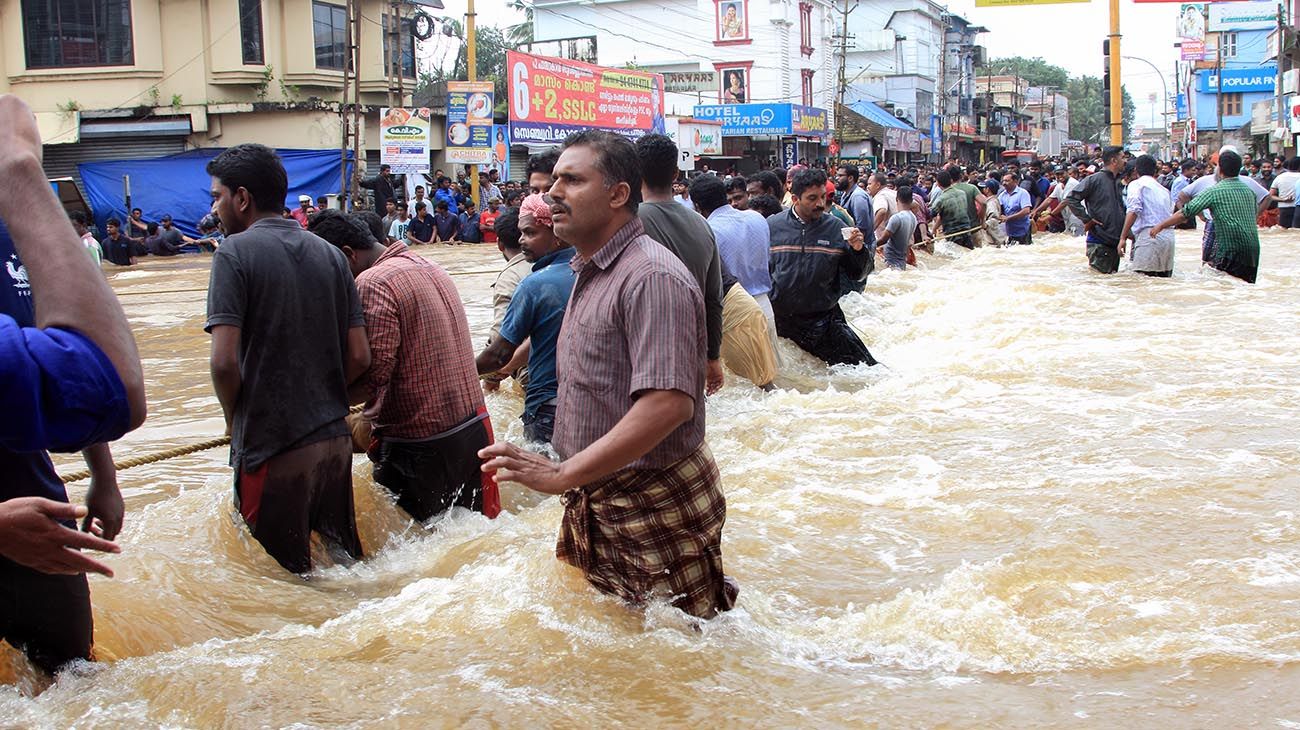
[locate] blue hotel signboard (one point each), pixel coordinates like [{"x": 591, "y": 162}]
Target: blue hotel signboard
[{"x": 751, "y": 120}]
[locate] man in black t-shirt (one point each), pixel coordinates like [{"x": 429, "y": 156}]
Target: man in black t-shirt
[{"x": 288, "y": 338}]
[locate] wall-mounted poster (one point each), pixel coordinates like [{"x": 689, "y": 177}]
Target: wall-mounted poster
[
  {"x": 733, "y": 83},
  {"x": 732, "y": 21}
]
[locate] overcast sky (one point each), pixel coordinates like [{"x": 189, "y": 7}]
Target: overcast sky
[{"x": 1067, "y": 35}]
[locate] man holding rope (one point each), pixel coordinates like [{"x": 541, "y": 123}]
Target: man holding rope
[{"x": 288, "y": 337}]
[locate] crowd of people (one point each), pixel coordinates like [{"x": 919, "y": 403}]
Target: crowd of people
[{"x": 624, "y": 291}]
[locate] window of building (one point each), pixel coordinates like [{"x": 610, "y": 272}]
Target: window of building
[
  {"x": 407, "y": 44},
  {"x": 805, "y": 29},
  {"x": 808, "y": 86},
  {"x": 1228, "y": 42},
  {"x": 1230, "y": 104},
  {"x": 330, "y": 23},
  {"x": 71, "y": 33},
  {"x": 250, "y": 31}
]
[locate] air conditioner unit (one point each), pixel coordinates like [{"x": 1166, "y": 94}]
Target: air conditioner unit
[{"x": 901, "y": 114}]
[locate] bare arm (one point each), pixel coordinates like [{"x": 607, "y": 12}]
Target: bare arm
[
  {"x": 224, "y": 366},
  {"x": 495, "y": 356},
  {"x": 103, "y": 499},
  {"x": 357, "y": 360},
  {"x": 68, "y": 290},
  {"x": 652, "y": 417}
]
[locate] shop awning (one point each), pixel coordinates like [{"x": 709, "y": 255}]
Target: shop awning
[{"x": 865, "y": 120}]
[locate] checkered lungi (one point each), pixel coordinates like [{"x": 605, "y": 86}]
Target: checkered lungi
[{"x": 649, "y": 534}]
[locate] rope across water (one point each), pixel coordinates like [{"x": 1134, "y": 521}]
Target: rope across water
[{"x": 163, "y": 455}]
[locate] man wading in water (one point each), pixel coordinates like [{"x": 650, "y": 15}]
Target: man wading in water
[
  {"x": 288, "y": 337},
  {"x": 643, "y": 501}
]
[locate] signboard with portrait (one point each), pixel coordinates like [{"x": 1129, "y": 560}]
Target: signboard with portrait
[
  {"x": 550, "y": 98},
  {"x": 734, "y": 84},
  {"x": 404, "y": 139},
  {"x": 1191, "y": 31},
  {"x": 469, "y": 122},
  {"x": 731, "y": 22}
]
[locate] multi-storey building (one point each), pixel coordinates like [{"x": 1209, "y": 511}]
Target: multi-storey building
[
  {"x": 120, "y": 79},
  {"x": 773, "y": 60}
]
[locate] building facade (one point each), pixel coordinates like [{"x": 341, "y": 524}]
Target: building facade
[
  {"x": 122, "y": 79},
  {"x": 1235, "y": 73},
  {"x": 776, "y": 54}
]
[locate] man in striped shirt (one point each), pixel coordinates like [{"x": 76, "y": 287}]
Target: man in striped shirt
[{"x": 643, "y": 500}]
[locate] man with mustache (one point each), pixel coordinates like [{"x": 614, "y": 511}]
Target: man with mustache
[
  {"x": 809, "y": 253},
  {"x": 643, "y": 499}
]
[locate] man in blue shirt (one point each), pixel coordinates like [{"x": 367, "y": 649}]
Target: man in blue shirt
[
  {"x": 535, "y": 314},
  {"x": 69, "y": 377},
  {"x": 1016, "y": 207},
  {"x": 445, "y": 194},
  {"x": 420, "y": 228}
]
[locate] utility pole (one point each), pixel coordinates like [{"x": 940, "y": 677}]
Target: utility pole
[
  {"x": 1281, "y": 42},
  {"x": 471, "y": 66},
  {"x": 1116, "y": 88},
  {"x": 844, "y": 83},
  {"x": 354, "y": 17},
  {"x": 391, "y": 48},
  {"x": 343, "y": 113},
  {"x": 1218, "y": 83}
]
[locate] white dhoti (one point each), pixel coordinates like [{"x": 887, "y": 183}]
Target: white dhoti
[{"x": 1153, "y": 254}]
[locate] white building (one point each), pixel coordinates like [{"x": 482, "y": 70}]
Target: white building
[
  {"x": 729, "y": 51},
  {"x": 893, "y": 56}
]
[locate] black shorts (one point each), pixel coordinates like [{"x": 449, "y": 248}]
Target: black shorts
[
  {"x": 1103, "y": 258},
  {"x": 1024, "y": 240},
  {"x": 429, "y": 477},
  {"x": 46, "y": 616},
  {"x": 297, "y": 491}
]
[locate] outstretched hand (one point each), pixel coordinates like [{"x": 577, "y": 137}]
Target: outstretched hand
[
  {"x": 513, "y": 464},
  {"x": 30, "y": 534}
]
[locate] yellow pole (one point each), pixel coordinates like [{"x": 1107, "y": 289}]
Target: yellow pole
[
  {"x": 1116, "y": 87},
  {"x": 472, "y": 67}
]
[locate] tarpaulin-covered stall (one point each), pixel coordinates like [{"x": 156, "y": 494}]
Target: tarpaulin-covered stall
[{"x": 179, "y": 185}]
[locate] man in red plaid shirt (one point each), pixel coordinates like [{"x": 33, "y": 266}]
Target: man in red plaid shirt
[{"x": 422, "y": 395}]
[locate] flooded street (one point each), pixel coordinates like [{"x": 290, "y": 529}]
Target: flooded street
[{"x": 1067, "y": 499}]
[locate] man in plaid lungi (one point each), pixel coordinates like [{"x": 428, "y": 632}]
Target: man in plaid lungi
[{"x": 644, "y": 508}]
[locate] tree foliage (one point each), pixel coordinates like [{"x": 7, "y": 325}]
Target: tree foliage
[
  {"x": 489, "y": 61},
  {"x": 1087, "y": 108}
]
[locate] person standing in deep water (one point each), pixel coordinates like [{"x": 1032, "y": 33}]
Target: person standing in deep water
[
  {"x": 288, "y": 337},
  {"x": 643, "y": 499}
]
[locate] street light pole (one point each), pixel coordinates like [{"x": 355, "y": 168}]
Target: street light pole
[{"x": 1163, "y": 85}]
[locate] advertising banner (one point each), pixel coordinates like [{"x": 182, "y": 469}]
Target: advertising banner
[
  {"x": 808, "y": 121},
  {"x": 1243, "y": 16},
  {"x": 550, "y": 98},
  {"x": 789, "y": 153},
  {"x": 501, "y": 150},
  {"x": 1190, "y": 31},
  {"x": 700, "y": 139},
  {"x": 898, "y": 139},
  {"x": 1241, "y": 79},
  {"x": 469, "y": 122},
  {"x": 404, "y": 139}
]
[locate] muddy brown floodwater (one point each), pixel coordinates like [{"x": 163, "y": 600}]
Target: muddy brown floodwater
[{"x": 1067, "y": 500}]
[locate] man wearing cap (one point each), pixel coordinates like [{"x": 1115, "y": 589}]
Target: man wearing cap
[
  {"x": 302, "y": 212},
  {"x": 535, "y": 313}
]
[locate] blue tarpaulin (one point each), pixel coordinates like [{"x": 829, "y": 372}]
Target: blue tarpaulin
[
  {"x": 879, "y": 115},
  {"x": 179, "y": 185}
]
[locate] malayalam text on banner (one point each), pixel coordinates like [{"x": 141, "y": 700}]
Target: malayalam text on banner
[
  {"x": 469, "y": 122},
  {"x": 404, "y": 139},
  {"x": 550, "y": 98}
]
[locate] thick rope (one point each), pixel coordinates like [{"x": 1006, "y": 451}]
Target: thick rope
[{"x": 164, "y": 455}]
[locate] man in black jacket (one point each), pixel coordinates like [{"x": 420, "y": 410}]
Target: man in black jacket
[
  {"x": 1099, "y": 202},
  {"x": 809, "y": 252},
  {"x": 382, "y": 184}
]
